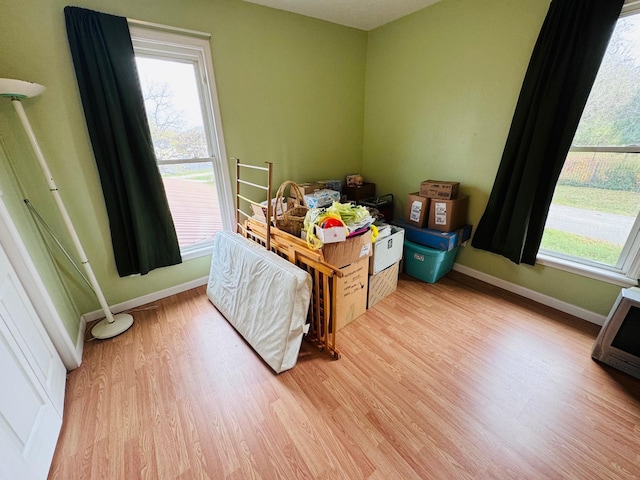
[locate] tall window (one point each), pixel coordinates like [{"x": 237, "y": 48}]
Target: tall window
[
  {"x": 176, "y": 77},
  {"x": 593, "y": 218}
]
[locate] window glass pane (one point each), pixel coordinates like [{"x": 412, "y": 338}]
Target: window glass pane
[
  {"x": 193, "y": 201},
  {"x": 175, "y": 118},
  {"x": 611, "y": 114},
  {"x": 597, "y": 198},
  {"x": 173, "y": 108},
  {"x": 594, "y": 206}
]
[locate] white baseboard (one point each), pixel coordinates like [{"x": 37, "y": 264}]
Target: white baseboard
[
  {"x": 136, "y": 302},
  {"x": 82, "y": 329},
  {"x": 565, "y": 307}
]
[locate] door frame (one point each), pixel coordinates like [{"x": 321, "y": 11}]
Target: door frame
[{"x": 15, "y": 249}]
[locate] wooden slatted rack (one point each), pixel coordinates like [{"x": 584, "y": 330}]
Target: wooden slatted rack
[
  {"x": 240, "y": 196},
  {"x": 322, "y": 309},
  {"x": 324, "y": 277}
]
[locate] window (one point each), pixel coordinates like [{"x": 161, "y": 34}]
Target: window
[
  {"x": 176, "y": 77},
  {"x": 593, "y": 220}
]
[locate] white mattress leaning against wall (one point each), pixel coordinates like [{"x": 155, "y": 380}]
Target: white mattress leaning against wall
[{"x": 263, "y": 296}]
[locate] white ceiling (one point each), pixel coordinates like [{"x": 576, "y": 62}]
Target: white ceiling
[{"x": 361, "y": 14}]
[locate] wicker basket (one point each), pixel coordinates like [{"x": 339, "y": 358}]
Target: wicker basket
[{"x": 292, "y": 219}]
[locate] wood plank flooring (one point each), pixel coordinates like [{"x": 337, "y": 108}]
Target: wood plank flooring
[{"x": 456, "y": 380}]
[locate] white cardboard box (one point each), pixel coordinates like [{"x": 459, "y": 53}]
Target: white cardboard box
[
  {"x": 321, "y": 198},
  {"x": 387, "y": 250},
  {"x": 331, "y": 235}
]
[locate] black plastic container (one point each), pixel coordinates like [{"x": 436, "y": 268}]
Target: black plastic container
[{"x": 383, "y": 203}]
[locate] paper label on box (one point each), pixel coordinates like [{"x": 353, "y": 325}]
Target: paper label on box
[
  {"x": 441, "y": 213},
  {"x": 416, "y": 208},
  {"x": 364, "y": 251}
]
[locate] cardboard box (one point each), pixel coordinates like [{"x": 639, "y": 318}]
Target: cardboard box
[
  {"x": 448, "y": 215},
  {"x": 366, "y": 190},
  {"x": 430, "y": 238},
  {"x": 306, "y": 188},
  {"x": 382, "y": 284},
  {"x": 386, "y": 251},
  {"x": 351, "y": 293},
  {"x": 417, "y": 212},
  {"x": 350, "y": 251},
  {"x": 321, "y": 198},
  {"x": 439, "y": 189},
  {"x": 260, "y": 212},
  {"x": 331, "y": 235}
]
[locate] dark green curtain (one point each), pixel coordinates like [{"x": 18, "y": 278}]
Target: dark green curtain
[
  {"x": 558, "y": 81},
  {"x": 142, "y": 230}
]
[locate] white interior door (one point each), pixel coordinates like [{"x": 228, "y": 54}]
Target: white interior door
[{"x": 32, "y": 380}]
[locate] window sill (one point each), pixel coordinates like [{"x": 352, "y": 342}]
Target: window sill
[
  {"x": 588, "y": 271},
  {"x": 196, "y": 252}
]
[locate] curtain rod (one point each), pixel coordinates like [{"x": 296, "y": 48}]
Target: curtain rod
[{"x": 167, "y": 28}]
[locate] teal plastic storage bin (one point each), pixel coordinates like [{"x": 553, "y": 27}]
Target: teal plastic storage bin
[{"x": 427, "y": 264}]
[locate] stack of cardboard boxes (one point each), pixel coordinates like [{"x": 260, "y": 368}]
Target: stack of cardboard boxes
[
  {"x": 352, "y": 258},
  {"x": 436, "y": 224},
  {"x": 384, "y": 263},
  {"x": 369, "y": 271},
  {"x": 437, "y": 206}
]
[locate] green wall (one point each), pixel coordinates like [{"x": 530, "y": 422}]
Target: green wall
[
  {"x": 290, "y": 90},
  {"x": 428, "y": 96},
  {"x": 441, "y": 89}
]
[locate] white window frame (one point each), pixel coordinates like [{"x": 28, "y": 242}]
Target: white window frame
[
  {"x": 193, "y": 47},
  {"x": 627, "y": 270}
]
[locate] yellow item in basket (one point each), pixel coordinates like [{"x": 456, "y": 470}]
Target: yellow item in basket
[{"x": 374, "y": 233}]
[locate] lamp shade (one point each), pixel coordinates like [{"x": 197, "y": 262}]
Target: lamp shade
[{"x": 10, "y": 87}]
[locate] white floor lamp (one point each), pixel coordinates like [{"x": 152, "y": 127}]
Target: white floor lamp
[{"x": 16, "y": 90}]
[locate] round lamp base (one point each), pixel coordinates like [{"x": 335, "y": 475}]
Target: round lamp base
[{"x": 103, "y": 329}]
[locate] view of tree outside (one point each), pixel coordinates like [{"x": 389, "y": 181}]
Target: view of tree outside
[
  {"x": 173, "y": 108},
  {"x": 597, "y": 198},
  {"x": 175, "y": 119},
  {"x": 610, "y": 116}
]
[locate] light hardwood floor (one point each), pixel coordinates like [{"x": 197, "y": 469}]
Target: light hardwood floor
[{"x": 456, "y": 380}]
